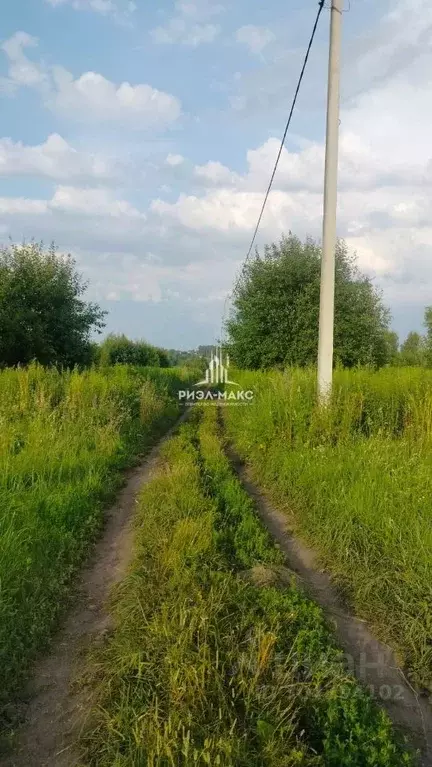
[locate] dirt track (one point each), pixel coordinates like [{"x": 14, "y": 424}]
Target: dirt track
[
  {"x": 57, "y": 711},
  {"x": 372, "y": 662}
]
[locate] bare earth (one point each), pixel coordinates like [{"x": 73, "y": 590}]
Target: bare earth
[
  {"x": 57, "y": 711},
  {"x": 373, "y": 662}
]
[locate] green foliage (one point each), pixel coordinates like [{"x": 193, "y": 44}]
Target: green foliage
[
  {"x": 276, "y": 310},
  {"x": 427, "y": 344},
  {"x": 412, "y": 351},
  {"x": 194, "y": 359},
  {"x": 120, "y": 350},
  {"x": 205, "y": 668},
  {"x": 392, "y": 347},
  {"x": 43, "y": 316},
  {"x": 416, "y": 350},
  {"x": 240, "y": 535},
  {"x": 164, "y": 360},
  {"x": 63, "y": 440},
  {"x": 357, "y": 478}
]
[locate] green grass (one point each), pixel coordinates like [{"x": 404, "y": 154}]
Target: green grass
[
  {"x": 64, "y": 437},
  {"x": 205, "y": 668},
  {"x": 356, "y": 482}
]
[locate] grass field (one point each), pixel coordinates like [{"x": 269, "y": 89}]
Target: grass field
[
  {"x": 356, "y": 483},
  {"x": 64, "y": 437},
  {"x": 204, "y": 666}
]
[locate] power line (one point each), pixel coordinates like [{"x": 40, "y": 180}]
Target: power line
[
  {"x": 321, "y": 6},
  {"x": 297, "y": 90}
]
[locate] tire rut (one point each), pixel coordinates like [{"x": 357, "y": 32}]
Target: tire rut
[
  {"x": 57, "y": 709},
  {"x": 373, "y": 663}
]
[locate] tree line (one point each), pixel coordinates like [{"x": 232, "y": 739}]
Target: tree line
[
  {"x": 274, "y": 322},
  {"x": 416, "y": 350}
]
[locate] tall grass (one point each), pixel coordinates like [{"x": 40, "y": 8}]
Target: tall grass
[
  {"x": 206, "y": 668},
  {"x": 356, "y": 482},
  {"x": 63, "y": 439}
]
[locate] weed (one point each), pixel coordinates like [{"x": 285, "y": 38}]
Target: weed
[
  {"x": 204, "y": 668},
  {"x": 356, "y": 480},
  {"x": 63, "y": 439}
]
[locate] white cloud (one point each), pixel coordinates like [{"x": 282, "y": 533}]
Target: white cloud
[
  {"x": 96, "y": 202},
  {"x": 189, "y": 25},
  {"x": 92, "y": 202},
  {"x": 101, "y": 6},
  {"x": 230, "y": 210},
  {"x": 217, "y": 174},
  {"x": 295, "y": 169},
  {"x": 128, "y": 276},
  {"x": 22, "y": 71},
  {"x": 90, "y": 97},
  {"x": 255, "y": 38},
  {"x": 10, "y": 206},
  {"x": 362, "y": 165},
  {"x": 54, "y": 159},
  {"x": 119, "y": 10},
  {"x": 93, "y": 97},
  {"x": 372, "y": 193},
  {"x": 385, "y": 185},
  {"x": 174, "y": 160},
  {"x": 398, "y": 45},
  {"x": 199, "y": 9},
  {"x": 372, "y": 196},
  {"x": 138, "y": 281},
  {"x": 179, "y": 31}
]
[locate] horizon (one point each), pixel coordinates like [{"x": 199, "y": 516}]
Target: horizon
[{"x": 141, "y": 141}]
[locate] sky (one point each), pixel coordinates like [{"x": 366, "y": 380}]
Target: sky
[{"x": 140, "y": 137}]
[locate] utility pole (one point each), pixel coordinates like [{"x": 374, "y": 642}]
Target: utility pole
[{"x": 326, "y": 317}]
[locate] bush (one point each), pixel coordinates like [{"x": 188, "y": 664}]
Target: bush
[
  {"x": 276, "y": 310},
  {"x": 120, "y": 350},
  {"x": 43, "y": 316}
]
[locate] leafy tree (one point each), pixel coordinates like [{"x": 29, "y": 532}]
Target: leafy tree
[
  {"x": 392, "y": 345},
  {"x": 43, "y": 316},
  {"x": 428, "y": 339},
  {"x": 118, "y": 349},
  {"x": 276, "y": 309},
  {"x": 412, "y": 351},
  {"x": 164, "y": 361}
]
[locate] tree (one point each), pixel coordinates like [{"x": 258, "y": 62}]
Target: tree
[
  {"x": 276, "y": 309},
  {"x": 118, "y": 349},
  {"x": 164, "y": 360},
  {"x": 412, "y": 351},
  {"x": 427, "y": 345},
  {"x": 43, "y": 316},
  {"x": 392, "y": 344}
]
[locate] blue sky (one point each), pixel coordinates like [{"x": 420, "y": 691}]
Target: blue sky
[{"x": 140, "y": 138}]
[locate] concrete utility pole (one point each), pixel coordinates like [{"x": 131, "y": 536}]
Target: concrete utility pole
[{"x": 326, "y": 318}]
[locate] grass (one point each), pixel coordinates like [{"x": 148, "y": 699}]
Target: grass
[
  {"x": 203, "y": 666},
  {"x": 356, "y": 482},
  {"x": 64, "y": 437}
]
